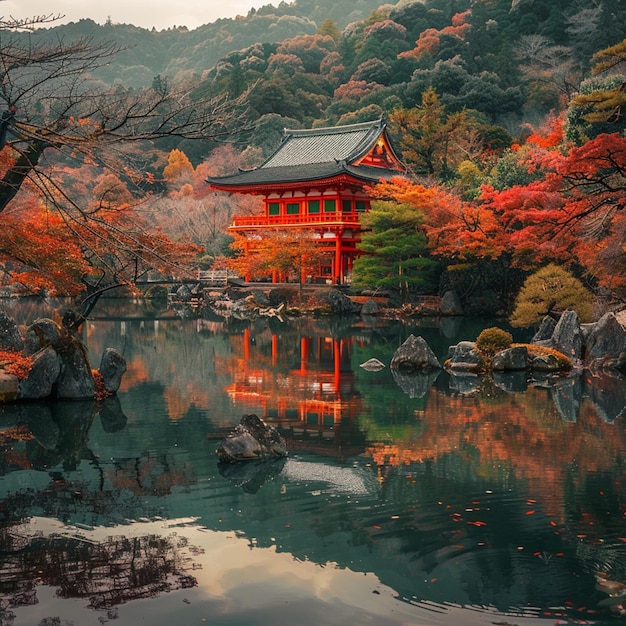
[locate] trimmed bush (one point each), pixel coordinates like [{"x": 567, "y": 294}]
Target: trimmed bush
[{"x": 492, "y": 340}]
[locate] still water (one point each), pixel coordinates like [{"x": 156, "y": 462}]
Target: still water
[{"x": 405, "y": 500}]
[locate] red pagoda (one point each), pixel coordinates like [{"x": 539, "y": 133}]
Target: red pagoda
[{"x": 317, "y": 179}]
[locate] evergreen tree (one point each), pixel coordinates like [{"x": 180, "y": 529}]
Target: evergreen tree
[{"x": 394, "y": 247}]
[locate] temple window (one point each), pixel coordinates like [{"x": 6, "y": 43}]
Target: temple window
[
  {"x": 330, "y": 206},
  {"x": 273, "y": 208},
  {"x": 314, "y": 206}
]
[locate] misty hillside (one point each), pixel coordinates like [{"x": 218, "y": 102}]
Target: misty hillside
[
  {"x": 326, "y": 62},
  {"x": 147, "y": 53}
]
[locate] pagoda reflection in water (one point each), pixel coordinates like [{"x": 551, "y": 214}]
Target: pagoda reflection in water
[{"x": 307, "y": 390}]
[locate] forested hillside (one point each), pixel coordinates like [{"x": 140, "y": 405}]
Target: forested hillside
[
  {"x": 327, "y": 62},
  {"x": 147, "y": 53}
]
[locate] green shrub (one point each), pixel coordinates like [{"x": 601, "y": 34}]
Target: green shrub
[{"x": 492, "y": 340}]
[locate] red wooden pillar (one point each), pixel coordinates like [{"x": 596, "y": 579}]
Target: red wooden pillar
[
  {"x": 246, "y": 344},
  {"x": 246, "y": 253},
  {"x": 337, "y": 265},
  {"x": 303, "y": 271},
  {"x": 304, "y": 354},
  {"x": 274, "y": 349},
  {"x": 337, "y": 364}
]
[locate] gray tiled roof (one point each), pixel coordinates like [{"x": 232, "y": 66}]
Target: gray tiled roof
[
  {"x": 324, "y": 145},
  {"x": 301, "y": 173},
  {"x": 315, "y": 154}
]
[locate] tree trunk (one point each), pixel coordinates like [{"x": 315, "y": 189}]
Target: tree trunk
[{"x": 15, "y": 176}]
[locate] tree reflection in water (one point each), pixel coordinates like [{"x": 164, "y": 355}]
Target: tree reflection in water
[
  {"x": 107, "y": 573},
  {"x": 498, "y": 492}
]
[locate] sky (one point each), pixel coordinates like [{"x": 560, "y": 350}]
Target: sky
[{"x": 161, "y": 14}]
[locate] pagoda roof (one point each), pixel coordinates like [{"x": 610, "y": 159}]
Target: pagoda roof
[{"x": 318, "y": 154}]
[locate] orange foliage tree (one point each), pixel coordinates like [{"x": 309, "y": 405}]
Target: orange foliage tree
[
  {"x": 430, "y": 39},
  {"x": 49, "y": 106},
  {"x": 285, "y": 254},
  {"x": 572, "y": 215},
  {"x": 197, "y": 212}
]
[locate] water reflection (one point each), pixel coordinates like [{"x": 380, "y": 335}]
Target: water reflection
[{"x": 405, "y": 499}]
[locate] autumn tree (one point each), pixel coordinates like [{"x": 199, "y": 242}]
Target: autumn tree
[
  {"x": 291, "y": 254},
  {"x": 599, "y": 106},
  {"x": 428, "y": 134},
  {"x": 179, "y": 170},
  {"x": 549, "y": 69},
  {"x": 429, "y": 42},
  {"x": 51, "y": 113},
  {"x": 396, "y": 245},
  {"x": 310, "y": 49},
  {"x": 196, "y": 213},
  {"x": 569, "y": 212},
  {"x": 550, "y": 289}
]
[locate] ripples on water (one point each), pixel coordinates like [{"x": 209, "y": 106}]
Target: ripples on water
[{"x": 405, "y": 501}]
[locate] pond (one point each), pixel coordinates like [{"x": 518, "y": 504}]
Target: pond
[{"x": 404, "y": 500}]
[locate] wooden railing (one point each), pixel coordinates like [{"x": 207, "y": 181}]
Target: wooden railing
[
  {"x": 350, "y": 219},
  {"x": 217, "y": 278}
]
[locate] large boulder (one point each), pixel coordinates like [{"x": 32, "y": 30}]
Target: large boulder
[
  {"x": 10, "y": 338},
  {"x": 112, "y": 368},
  {"x": 184, "y": 294},
  {"x": 75, "y": 379},
  {"x": 605, "y": 347},
  {"x": 545, "y": 362},
  {"x": 465, "y": 357},
  {"x": 252, "y": 439},
  {"x": 340, "y": 304},
  {"x": 451, "y": 304},
  {"x": 40, "y": 334},
  {"x": 545, "y": 330},
  {"x": 370, "y": 307},
  {"x": 42, "y": 376},
  {"x": 60, "y": 363},
  {"x": 567, "y": 336},
  {"x": 414, "y": 354},
  {"x": 515, "y": 358},
  {"x": 9, "y": 386}
]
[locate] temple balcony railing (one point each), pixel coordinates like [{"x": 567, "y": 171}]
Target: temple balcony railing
[{"x": 315, "y": 220}]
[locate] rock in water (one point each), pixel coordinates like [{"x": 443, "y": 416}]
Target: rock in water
[
  {"x": 250, "y": 440},
  {"x": 372, "y": 365},
  {"x": 414, "y": 354}
]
